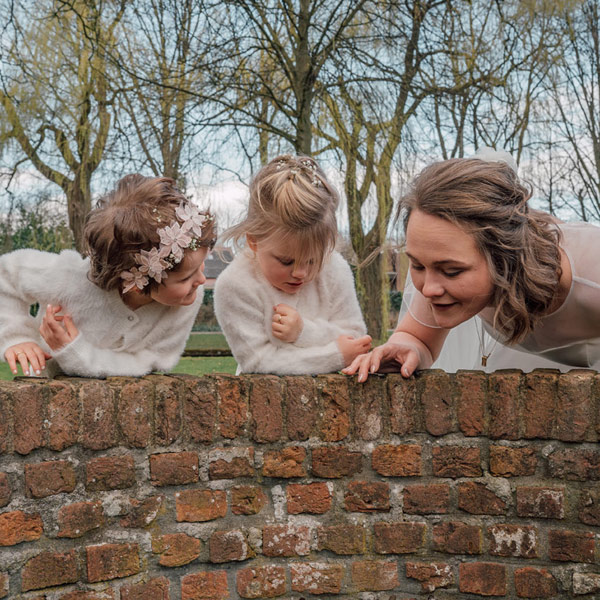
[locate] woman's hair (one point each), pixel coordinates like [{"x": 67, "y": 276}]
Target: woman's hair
[
  {"x": 521, "y": 247},
  {"x": 127, "y": 220},
  {"x": 291, "y": 197}
]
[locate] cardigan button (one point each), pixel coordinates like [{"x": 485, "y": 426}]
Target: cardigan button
[{"x": 130, "y": 317}]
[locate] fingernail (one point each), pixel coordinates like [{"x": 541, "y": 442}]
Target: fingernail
[
  {"x": 43, "y": 367},
  {"x": 361, "y": 378},
  {"x": 15, "y": 372},
  {"x": 38, "y": 372},
  {"x": 26, "y": 373},
  {"x": 372, "y": 369}
]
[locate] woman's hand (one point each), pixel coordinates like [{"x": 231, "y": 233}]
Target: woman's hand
[
  {"x": 25, "y": 354},
  {"x": 57, "y": 330},
  {"x": 287, "y": 323},
  {"x": 352, "y": 347}
]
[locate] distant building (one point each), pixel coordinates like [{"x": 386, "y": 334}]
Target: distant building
[{"x": 214, "y": 264}]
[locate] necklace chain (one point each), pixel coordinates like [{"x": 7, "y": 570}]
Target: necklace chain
[{"x": 481, "y": 336}]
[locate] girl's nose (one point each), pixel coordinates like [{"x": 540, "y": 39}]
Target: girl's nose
[
  {"x": 200, "y": 279},
  {"x": 299, "y": 271}
]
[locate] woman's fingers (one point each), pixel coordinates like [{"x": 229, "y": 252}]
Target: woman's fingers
[{"x": 409, "y": 365}]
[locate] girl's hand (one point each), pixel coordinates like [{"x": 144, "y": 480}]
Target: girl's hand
[
  {"x": 287, "y": 323},
  {"x": 26, "y": 353},
  {"x": 352, "y": 347},
  {"x": 57, "y": 330}
]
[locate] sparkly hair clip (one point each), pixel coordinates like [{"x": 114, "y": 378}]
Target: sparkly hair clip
[
  {"x": 180, "y": 235},
  {"x": 308, "y": 165}
]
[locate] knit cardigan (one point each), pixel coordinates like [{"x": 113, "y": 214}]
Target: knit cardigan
[
  {"x": 112, "y": 340},
  {"x": 244, "y": 302}
]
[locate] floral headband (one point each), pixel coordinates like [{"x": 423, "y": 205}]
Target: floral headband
[{"x": 174, "y": 239}]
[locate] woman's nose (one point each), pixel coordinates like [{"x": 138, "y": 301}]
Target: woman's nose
[{"x": 432, "y": 286}]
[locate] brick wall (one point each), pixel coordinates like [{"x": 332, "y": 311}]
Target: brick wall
[{"x": 442, "y": 486}]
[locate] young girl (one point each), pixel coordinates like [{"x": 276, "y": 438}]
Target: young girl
[
  {"x": 129, "y": 306},
  {"x": 287, "y": 302},
  {"x": 476, "y": 248}
]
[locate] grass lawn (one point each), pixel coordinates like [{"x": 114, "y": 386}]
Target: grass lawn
[{"x": 206, "y": 340}]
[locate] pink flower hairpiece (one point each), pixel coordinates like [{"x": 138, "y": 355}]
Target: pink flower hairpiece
[{"x": 174, "y": 239}]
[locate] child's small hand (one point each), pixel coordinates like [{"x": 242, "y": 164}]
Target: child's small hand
[
  {"x": 352, "y": 347},
  {"x": 27, "y": 353},
  {"x": 57, "y": 330},
  {"x": 287, "y": 323}
]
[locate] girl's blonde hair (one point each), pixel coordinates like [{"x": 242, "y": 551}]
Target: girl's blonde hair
[
  {"x": 521, "y": 245},
  {"x": 291, "y": 197},
  {"x": 126, "y": 221}
]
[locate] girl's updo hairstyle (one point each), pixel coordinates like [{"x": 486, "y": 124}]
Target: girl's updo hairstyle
[
  {"x": 291, "y": 197},
  {"x": 487, "y": 200},
  {"x": 126, "y": 221}
]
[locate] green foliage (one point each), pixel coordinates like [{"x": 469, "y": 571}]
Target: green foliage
[{"x": 395, "y": 300}]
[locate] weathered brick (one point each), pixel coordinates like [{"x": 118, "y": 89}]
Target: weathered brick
[
  {"x": 539, "y": 403},
  {"x": 575, "y": 546},
  {"x": 574, "y": 411},
  {"x": 535, "y": 583},
  {"x": 285, "y": 463},
  {"x": 397, "y": 460},
  {"x": 247, "y": 500},
  {"x": 4, "y": 585},
  {"x": 431, "y": 575},
  {"x": 316, "y": 578},
  {"x": 176, "y": 549},
  {"x": 589, "y": 507},
  {"x": 574, "y": 464},
  {"x": 134, "y": 410},
  {"x": 506, "y": 461},
  {"x": 233, "y": 405},
  {"x": 50, "y": 478},
  {"x": 200, "y": 505},
  {"x": 28, "y": 402},
  {"x": 155, "y": 589},
  {"x": 111, "y": 561},
  {"x": 541, "y": 502},
  {"x": 205, "y": 585},
  {"x": 226, "y": 546},
  {"x": 199, "y": 408},
  {"x": 471, "y": 389},
  {"x": 75, "y": 520},
  {"x": 63, "y": 416},
  {"x": 106, "y": 594},
  {"x": 167, "y": 409},
  {"x": 513, "y": 540},
  {"x": 5, "y": 489},
  {"x": 18, "y": 526},
  {"x": 261, "y": 582},
  {"x": 99, "y": 429},
  {"x": 438, "y": 403},
  {"x": 367, "y": 496},
  {"x": 399, "y": 538},
  {"x": 367, "y": 407},
  {"x": 110, "y": 473},
  {"x": 49, "y": 569},
  {"x": 286, "y": 540},
  {"x": 483, "y": 579},
  {"x": 335, "y": 401},
  {"x": 478, "y": 499},
  {"x": 456, "y": 461},
  {"x": 302, "y": 407},
  {"x": 374, "y": 576},
  {"x": 585, "y": 583},
  {"x": 455, "y": 537},
  {"x": 504, "y": 392},
  {"x": 142, "y": 512},
  {"x": 229, "y": 463},
  {"x": 335, "y": 462},
  {"x": 342, "y": 539},
  {"x": 266, "y": 413},
  {"x": 313, "y": 498},
  {"x": 173, "y": 468},
  {"x": 405, "y": 406},
  {"x": 427, "y": 499}
]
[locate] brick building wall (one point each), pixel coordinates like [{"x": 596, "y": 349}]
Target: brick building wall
[{"x": 168, "y": 488}]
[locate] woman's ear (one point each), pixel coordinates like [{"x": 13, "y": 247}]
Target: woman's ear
[{"x": 251, "y": 241}]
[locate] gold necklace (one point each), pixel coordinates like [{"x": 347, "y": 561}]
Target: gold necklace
[{"x": 481, "y": 336}]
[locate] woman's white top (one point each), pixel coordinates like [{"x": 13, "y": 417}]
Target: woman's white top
[
  {"x": 244, "y": 302},
  {"x": 112, "y": 340}
]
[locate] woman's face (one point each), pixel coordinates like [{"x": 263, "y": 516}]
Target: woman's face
[{"x": 448, "y": 268}]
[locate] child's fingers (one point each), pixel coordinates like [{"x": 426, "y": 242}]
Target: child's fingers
[
  {"x": 72, "y": 331},
  {"x": 10, "y": 357}
]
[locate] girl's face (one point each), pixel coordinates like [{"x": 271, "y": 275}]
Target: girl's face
[
  {"x": 448, "y": 268},
  {"x": 277, "y": 263}
]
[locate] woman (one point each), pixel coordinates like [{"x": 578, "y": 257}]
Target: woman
[{"x": 477, "y": 249}]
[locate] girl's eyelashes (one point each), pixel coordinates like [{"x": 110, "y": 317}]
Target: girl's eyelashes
[{"x": 285, "y": 261}]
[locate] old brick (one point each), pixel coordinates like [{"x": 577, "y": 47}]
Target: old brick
[
  {"x": 200, "y": 505},
  {"x": 575, "y": 546},
  {"x": 313, "y": 498},
  {"x": 167, "y": 410},
  {"x": 374, "y": 576},
  {"x": 99, "y": 417},
  {"x": 5, "y": 489},
  {"x": 427, "y": 499},
  {"x": 261, "y": 582},
  {"x": 173, "y": 468},
  {"x": 504, "y": 391},
  {"x": 399, "y": 538},
  {"x": 286, "y": 540},
  {"x": 49, "y": 569},
  {"x": 586, "y": 583},
  {"x": 316, "y": 578},
  {"x": 431, "y": 575},
  {"x": 106, "y": 594},
  {"x": 404, "y": 404},
  {"x": 342, "y": 539},
  {"x": 574, "y": 464},
  {"x": 335, "y": 400},
  {"x": 455, "y": 537},
  {"x": 483, "y": 579},
  {"x": 18, "y": 526},
  {"x": 205, "y": 585},
  {"x": 110, "y": 473},
  {"x": 534, "y": 583},
  {"x": 367, "y": 407},
  {"x": 28, "y": 402},
  {"x": 199, "y": 408},
  {"x": 134, "y": 409},
  {"x": 226, "y": 546},
  {"x": 6, "y": 410},
  {"x": 367, "y": 496},
  {"x": 476, "y": 498},
  {"x": 75, "y": 520},
  {"x": 541, "y": 502},
  {"x": 233, "y": 405},
  {"x": 589, "y": 507},
  {"x": 506, "y": 461},
  {"x": 111, "y": 561},
  {"x": 4, "y": 586},
  {"x": 155, "y": 589},
  {"x": 63, "y": 416},
  {"x": 539, "y": 403},
  {"x": 397, "y": 460},
  {"x": 176, "y": 549},
  {"x": 247, "y": 500},
  {"x": 285, "y": 463},
  {"x": 229, "y": 463},
  {"x": 471, "y": 388},
  {"x": 302, "y": 407},
  {"x": 456, "y": 461},
  {"x": 574, "y": 410},
  {"x": 438, "y": 405},
  {"x": 142, "y": 512},
  {"x": 335, "y": 462},
  {"x": 513, "y": 540},
  {"x": 50, "y": 478},
  {"x": 265, "y": 408}
]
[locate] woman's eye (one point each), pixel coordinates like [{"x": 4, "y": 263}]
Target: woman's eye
[
  {"x": 452, "y": 273},
  {"x": 416, "y": 267}
]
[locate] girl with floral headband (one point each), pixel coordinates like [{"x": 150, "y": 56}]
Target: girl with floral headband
[
  {"x": 128, "y": 307},
  {"x": 287, "y": 303}
]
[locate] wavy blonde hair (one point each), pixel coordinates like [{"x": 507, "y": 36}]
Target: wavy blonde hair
[
  {"x": 291, "y": 198},
  {"x": 521, "y": 245}
]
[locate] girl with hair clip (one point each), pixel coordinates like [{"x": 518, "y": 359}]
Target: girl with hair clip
[
  {"x": 477, "y": 249},
  {"x": 287, "y": 303},
  {"x": 129, "y": 306}
]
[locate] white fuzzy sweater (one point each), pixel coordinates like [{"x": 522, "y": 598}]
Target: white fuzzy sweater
[
  {"x": 112, "y": 340},
  {"x": 244, "y": 302}
]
